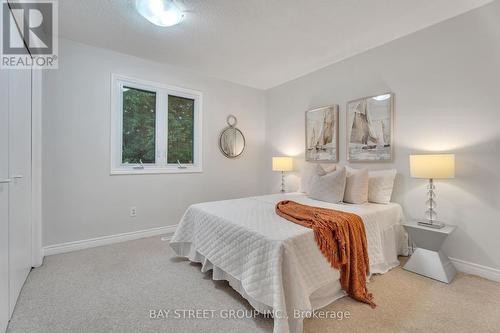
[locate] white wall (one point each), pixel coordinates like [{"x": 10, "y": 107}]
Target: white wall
[
  {"x": 80, "y": 198},
  {"x": 446, "y": 81}
]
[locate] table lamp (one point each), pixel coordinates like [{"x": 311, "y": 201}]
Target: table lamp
[
  {"x": 282, "y": 163},
  {"x": 439, "y": 166}
]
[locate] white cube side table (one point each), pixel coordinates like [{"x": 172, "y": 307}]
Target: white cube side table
[{"x": 428, "y": 259}]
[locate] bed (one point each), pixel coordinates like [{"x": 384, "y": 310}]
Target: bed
[{"x": 273, "y": 263}]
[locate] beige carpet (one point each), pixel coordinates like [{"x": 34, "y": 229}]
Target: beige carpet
[
  {"x": 112, "y": 289},
  {"x": 408, "y": 302}
]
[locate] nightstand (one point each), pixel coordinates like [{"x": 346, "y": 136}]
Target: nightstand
[{"x": 428, "y": 259}]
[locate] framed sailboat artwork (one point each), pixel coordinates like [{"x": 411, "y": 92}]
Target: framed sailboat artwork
[
  {"x": 370, "y": 122},
  {"x": 322, "y": 134}
]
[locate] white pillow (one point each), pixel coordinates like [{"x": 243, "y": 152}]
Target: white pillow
[
  {"x": 309, "y": 171},
  {"x": 380, "y": 185},
  {"x": 356, "y": 188},
  {"x": 329, "y": 187}
]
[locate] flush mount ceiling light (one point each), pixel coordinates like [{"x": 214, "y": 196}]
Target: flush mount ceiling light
[
  {"x": 382, "y": 97},
  {"x": 164, "y": 13}
]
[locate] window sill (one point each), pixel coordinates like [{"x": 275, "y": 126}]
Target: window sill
[{"x": 149, "y": 171}]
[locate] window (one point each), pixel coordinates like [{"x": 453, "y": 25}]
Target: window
[
  {"x": 180, "y": 129},
  {"x": 154, "y": 128},
  {"x": 139, "y": 126}
]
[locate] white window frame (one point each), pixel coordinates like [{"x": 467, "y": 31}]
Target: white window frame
[{"x": 162, "y": 91}]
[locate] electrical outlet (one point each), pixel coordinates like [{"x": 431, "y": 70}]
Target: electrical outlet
[{"x": 133, "y": 211}]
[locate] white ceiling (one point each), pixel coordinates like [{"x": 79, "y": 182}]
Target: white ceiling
[{"x": 258, "y": 43}]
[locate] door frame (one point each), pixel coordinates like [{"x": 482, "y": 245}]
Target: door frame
[
  {"x": 36, "y": 168},
  {"x": 36, "y": 165}
]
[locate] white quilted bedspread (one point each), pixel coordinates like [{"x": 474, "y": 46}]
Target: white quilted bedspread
[{"x": 276, "y": 264}]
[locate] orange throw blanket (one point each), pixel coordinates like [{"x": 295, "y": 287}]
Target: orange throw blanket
[{"x": 341, "y": 238}]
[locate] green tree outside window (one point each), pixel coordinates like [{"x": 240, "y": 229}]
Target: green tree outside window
[
  {"x": 139, "y": 126},
  {"x": 180, "y": 130}
]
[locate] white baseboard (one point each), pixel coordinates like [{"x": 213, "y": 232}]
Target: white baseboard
[
  {"x": 475, "y": 269},
  {"x": 106, "y": 240},
  {"x": 461, "y": 265}
]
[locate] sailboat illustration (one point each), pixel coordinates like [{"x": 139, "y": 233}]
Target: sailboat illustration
[
  {"x": 321, "y": 142},
  {"x": 366, "y": 132}
]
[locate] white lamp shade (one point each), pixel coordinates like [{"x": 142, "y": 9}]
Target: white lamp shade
[
  {"x": 436, "y": 166},
  {"x": 282, "y": 163}
]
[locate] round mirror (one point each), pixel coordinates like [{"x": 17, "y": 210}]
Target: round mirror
[{"x": 231, "y": 140}]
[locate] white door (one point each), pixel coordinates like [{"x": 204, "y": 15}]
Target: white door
[
  {"x": 20, "y": 186},
  {"x": 4, "y": 199}
]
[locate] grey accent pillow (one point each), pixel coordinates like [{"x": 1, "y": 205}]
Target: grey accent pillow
[{"x": 329, "y": 187}]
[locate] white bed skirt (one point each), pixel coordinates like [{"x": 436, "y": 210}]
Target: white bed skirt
[{"x": 187, "y": 250}]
